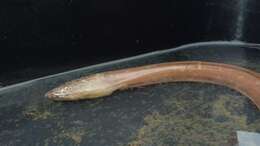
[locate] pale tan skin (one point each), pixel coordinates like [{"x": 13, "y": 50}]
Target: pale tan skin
[{"x": 98, "y": 85}]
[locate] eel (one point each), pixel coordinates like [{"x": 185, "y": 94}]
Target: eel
[{"x": 243, "y": 80}]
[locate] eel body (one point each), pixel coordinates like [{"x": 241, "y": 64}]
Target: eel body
[{"x": 243, "y": 80}]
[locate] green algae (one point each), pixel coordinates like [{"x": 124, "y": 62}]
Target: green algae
[
  {"x": 74, "y": 135},
  {"x": 39, "y": 111},
  {"x": 196, "y": 121},
  {"x": 62, "y": 132},
  {"x": 67, "y": 136}
]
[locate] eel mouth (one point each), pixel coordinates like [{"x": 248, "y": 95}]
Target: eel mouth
[
  {"x": 53, "y": 96},
  {"x": 49, "y": 95}
]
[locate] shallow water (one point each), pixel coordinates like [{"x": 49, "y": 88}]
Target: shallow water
[{"x": 159, "y": 115}]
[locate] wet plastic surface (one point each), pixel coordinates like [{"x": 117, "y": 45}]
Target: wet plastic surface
[{"x": 165, "y": 114}]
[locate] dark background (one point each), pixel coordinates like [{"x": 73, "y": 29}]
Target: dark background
[{"x": 42, "y": 37}]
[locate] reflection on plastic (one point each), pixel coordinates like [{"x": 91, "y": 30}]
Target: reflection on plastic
[{"x": 248, "y": 138}]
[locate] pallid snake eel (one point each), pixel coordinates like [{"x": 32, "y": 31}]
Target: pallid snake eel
[{"x": 245, "y": 81}]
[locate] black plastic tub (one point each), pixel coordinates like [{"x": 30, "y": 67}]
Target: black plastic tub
[{"x": 39, "y": 38}]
